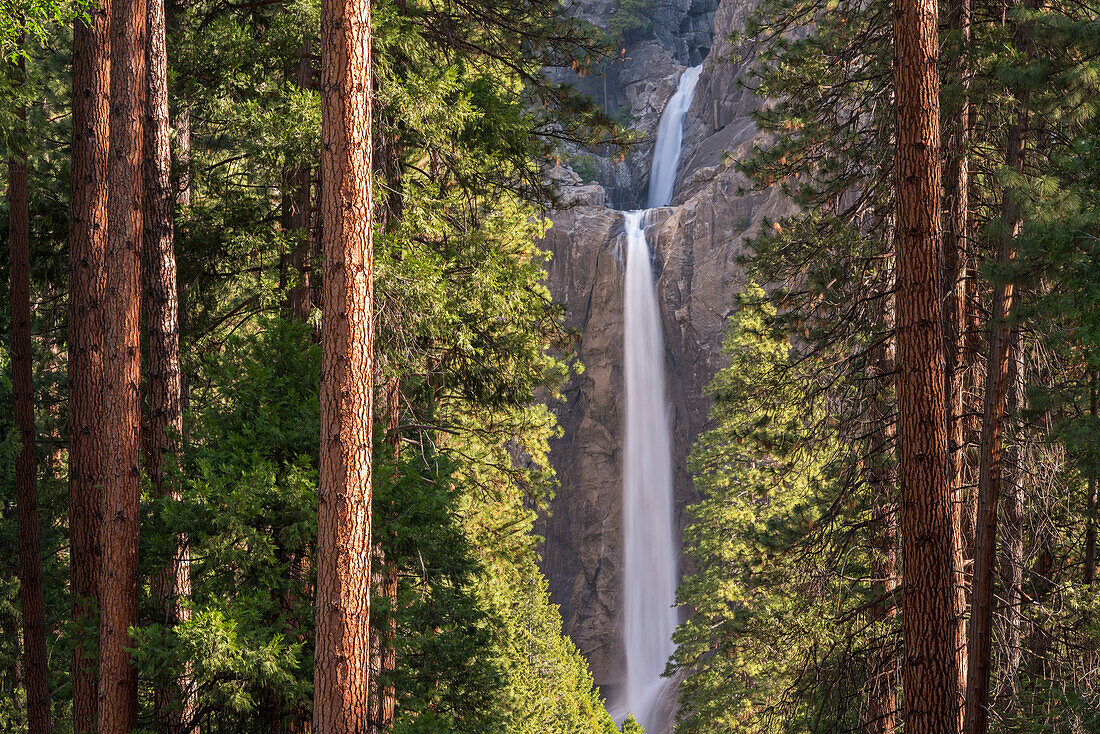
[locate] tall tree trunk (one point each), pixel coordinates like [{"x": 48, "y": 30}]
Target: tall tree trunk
[
  {"x": 122, "y": 371},
  {"x": 1012, "y": 551},
  {"x": 174, "y": 700},
  {"x": 342, "y": 658},
  {"x": 1002, "y": 344},
  {"x": 882, "y": 479},
  {"x": 31, "y": 592},
  {"x": 955, "y": 246},
  {"x": 931, "y": 661},
  {"x": 88, "y": 240}
]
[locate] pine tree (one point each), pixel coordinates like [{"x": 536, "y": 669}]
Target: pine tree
[
  {"x": 931, "y": 658},
  {"x": 118, "y": 581},
  {"x": 342, "y": 665},
  {"x": 87, "y": 243}
]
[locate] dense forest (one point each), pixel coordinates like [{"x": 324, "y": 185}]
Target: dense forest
[{"x": 283, "y": 371}]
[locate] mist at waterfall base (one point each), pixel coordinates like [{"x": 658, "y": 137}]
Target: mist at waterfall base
[{"x": 651, "y": 551}]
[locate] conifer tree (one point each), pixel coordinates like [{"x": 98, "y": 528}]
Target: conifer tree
[
  {"x": 931, "y": 657},
  {"x": 118, "y": 581},
  {"x": 342, "y": 664},
  {"x": 87, "y": 243}
]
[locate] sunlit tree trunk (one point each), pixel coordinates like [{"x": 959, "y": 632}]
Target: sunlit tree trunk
[
  {"x": 931, "y": 658},
  {"x": 31, "y": 592},
  {"x": 342, "y": 658},
  {"x": 118, "y": 581}
]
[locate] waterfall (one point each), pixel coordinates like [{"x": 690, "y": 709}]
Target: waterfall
[
  {"x": 651, "y": 552},
  {"x": 670, "y": 138}
]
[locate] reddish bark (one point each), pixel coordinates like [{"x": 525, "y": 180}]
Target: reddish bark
[
  {"x": 88, "y": 240},
  {"x": 342, "y": 658},
  {"x": 118, "y": 582},
  {"x": 931, "y": 658}
]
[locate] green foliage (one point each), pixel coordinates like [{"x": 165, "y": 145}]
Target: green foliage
[
  {"x": 586, "y": 167},
  {"x": 759, "y": 607},
  {"x": 630, "y": 22},
  {"x": 24, "y": 23},
  {"x": 464, "y": 325}
]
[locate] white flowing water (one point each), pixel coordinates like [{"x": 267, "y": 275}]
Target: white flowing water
[
  {"x": 670, "y": 139},
  {"x": 650, "y": 547}
]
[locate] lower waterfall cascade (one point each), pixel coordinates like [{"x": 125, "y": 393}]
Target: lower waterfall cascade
[{"x": 651, "y": 550}]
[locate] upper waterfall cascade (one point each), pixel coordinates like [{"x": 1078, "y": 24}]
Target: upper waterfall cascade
[
  {"x": 651, "y": 550},
  {"x": 670, "y": 140}
]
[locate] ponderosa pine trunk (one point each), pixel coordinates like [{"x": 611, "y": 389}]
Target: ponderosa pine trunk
[
  {"x": 342, "y": 657},
  {"x": 118, "y": 581},
  {"x": 87, "y": 243},
  {"x": 174, "y": 700},
  {"x": 931, "y": 658},
  {"x": 31, "y": 591},
  {"x": 955, "y": 253},
  {"x": 1002, "y": 345}
]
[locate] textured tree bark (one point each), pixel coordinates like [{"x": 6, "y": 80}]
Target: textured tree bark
[
  {"x": 174, "y": 700},
  {"x": 931, "y": 659},
  {"x": 122, "y": 371},
  {"x": 882, "y": 478},
  {"x": 1002, "y": 344},
  {"x": 956, "y": 265},
  {"x": 342, "y": 658},
  {"x": 88, "y": 240},
  {"x": 31, "y": 592}
]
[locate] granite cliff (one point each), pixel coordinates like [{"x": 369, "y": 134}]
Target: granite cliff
[{"x": 697, "y": 242}]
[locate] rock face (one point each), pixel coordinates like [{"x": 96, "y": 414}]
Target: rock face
[{"x": 696, "y": 244}]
